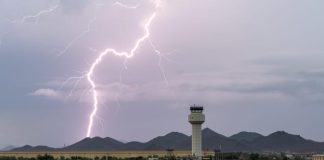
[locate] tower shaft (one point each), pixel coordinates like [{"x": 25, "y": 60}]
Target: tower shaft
[{"x": 196, "y": 140}]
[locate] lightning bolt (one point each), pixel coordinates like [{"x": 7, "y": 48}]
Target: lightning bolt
[
  {"x": 35, "y": 16},
  {"x": 159, "y": 54},
  {"x": 112, "y": 51},
  {"x": 84, "y": 33},
  {"x": 90, "y": 73},
  {"x": 125, "y": 6}
]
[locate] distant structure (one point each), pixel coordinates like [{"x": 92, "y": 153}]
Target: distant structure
[
  {"x": 318, "y": 157},
  {"x": 196, "y": 118}
]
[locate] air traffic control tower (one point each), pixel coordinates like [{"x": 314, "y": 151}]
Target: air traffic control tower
[{"x": 196, "y": 118}]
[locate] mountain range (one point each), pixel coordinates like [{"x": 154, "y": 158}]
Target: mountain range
[
  {"x": 8, "y": 148},
  {"x": 279, "y": 141}
]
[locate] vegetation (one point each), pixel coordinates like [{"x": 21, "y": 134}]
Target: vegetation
[{"x": 218, "y": 156}]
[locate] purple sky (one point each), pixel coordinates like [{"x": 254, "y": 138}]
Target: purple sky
[{"x": 254, "y": 66}]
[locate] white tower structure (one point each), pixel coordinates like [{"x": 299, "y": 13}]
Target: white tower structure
[{"x": 196, "y": 118}]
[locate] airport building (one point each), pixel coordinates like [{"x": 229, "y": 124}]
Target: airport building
[{"x": 318, "y": 157}]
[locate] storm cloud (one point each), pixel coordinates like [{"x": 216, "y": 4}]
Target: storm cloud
[{"x": 254, "y": 65}]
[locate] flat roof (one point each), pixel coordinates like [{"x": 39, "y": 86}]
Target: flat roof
[{"x": 196, "y": 108}]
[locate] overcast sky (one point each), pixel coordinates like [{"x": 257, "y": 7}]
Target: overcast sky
[{"x": 254, "y": 65}]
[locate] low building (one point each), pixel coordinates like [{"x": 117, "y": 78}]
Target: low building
[
  {"x": 93, "y": 154},
  {"x": 318, "y": 157}
]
